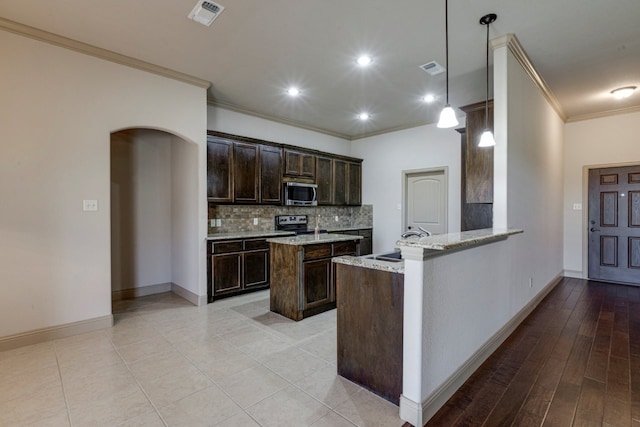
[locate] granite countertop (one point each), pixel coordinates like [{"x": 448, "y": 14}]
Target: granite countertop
[
  {"x": 352, "y": 228},
  {"x": 456, "y": 241},
  {"x": 367, "y": 261},
  {"x": 248, "y": 234},
  {"x": 310, "y": 239}
]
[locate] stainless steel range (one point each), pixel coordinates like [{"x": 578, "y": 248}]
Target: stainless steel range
[{"x": 295, "y": 223}]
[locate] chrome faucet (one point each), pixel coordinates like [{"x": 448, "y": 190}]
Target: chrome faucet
[{"x": 422, "y": 233}]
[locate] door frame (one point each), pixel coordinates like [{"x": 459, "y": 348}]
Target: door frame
[
  {"x": 405, "y": 177},
  {"x": 584, "y": 274}
]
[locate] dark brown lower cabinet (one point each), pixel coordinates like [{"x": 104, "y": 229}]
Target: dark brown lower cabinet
[
  {"x": 237, "y": 266},
  {"x": 369, "y": 328},
  {"x": 317, "y": 283},
  {"x": 302, "y": 277}
]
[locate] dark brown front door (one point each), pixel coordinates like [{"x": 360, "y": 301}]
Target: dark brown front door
[{"x": 614, "y": 224}]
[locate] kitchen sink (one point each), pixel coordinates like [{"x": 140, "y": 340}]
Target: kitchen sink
[{"x": 391, "y": 257}]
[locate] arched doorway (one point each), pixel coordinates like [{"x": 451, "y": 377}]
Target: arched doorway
[{"x": 154, "y": 214}]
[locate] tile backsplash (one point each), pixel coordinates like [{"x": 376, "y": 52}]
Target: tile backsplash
[{"x": 235, "y": 218}]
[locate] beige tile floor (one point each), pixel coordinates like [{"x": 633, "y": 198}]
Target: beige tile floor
[{"x": 166, "y": 362}]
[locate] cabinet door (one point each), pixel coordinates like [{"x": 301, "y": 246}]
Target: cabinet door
[
  {"x": 226, "y": 273},
  {"x": 354, "y": 194},
  {"x": 317, "y": 282},
  {"x": 256, "y": 268},
  {"x": 245, "y": 173},
  {"x": 366, "y": 244},
  {"x": 324, "y": 180},
  {"x": 339, "y": 182},
  {"x": 308, "y": 166},
  {"x": 270, "y": 175},
  {"x": 219, "y": 167},
  {"x": 292, "y": 161}
]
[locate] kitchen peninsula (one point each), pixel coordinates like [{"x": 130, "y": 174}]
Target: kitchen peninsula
[{"x": 302, "y": 279}]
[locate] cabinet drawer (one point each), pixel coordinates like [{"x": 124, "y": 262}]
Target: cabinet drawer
[
  {"x": 344, "y": 248},
  {"x": 250, "y": 245},
  {"x": 225, "y": 247},
  {"x": 317, "y": 251}
]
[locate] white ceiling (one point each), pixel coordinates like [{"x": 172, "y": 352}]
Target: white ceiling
[{"x": 255, "y": 49}]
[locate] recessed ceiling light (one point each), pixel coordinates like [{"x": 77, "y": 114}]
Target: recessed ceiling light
[
  {"x": 364, "y": 116},
  {"x": 364, "y": 60},
  {"x": 293, "y": 91},
  {"x": 428, "y": 98},
  {"x": 623, "y": 92}
]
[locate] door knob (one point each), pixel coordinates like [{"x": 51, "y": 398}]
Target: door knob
[{"x": 592, "y": 229}]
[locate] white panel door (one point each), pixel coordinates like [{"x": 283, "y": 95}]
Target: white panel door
[{"x": 426, "y": 202}]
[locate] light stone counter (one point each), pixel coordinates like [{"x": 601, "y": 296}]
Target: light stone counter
[
  {"x": 248, "y": 235},
  {"x": 310, "y": 239},
  {"x": 368, "y": 261},
  {"x": 457, "y": 241}
]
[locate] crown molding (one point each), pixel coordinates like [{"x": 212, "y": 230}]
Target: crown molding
[
  {"x": 511, "y": 41},
  {"x": 87, "y": 49},
  {"x": 601, "y": 114},
  {"x": 242, "y": 110}
]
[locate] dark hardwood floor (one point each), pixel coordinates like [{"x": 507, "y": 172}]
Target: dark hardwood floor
[{"x": 575, "y": 361}]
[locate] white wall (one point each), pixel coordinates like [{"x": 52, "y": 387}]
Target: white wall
[
  {"x": 386, "y": 156},
  {"x": 57, "y": 111},
  {"x": 232, "y": 122},
  {"x": 592, "y": 143}
]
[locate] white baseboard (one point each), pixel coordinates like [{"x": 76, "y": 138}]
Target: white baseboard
[
  {"x": 55, "y": 332},
  {"x": 197, "y": 300},
  {"x": 442, "y": 394},
  {"x": 575, "y": 274},
  {"x": 142, "y": 291}
]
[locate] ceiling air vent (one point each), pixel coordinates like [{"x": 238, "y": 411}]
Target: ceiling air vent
[
  {"x": 205, "y": 12},
  {"x": 432, "y": 68}
]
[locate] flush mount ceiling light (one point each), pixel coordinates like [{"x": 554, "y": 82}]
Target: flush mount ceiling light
[
  {"x": 205, "y": 12},
  {"x": 364, "y": 116},
  {"x": 293, "y": 91},
  {"x": 364, "y": 60},
  {"x": 447, "y": 116},
  {"x": 428, "y": 98},
  {"x": 487, "y": 140},
  {"x": 623, "y": 92}
]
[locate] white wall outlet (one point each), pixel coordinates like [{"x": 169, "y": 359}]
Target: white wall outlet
[
  {"x": 90, "y": 205},
  {"x": 255, "y": 221},
  {"x": 218, "y": 222},
  {"x": 577, "y": 206},
  {"x": 337, "y": 219},
  {"x": 212, "y": 222}
]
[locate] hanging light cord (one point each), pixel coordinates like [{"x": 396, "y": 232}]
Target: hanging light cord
[
  {"x": 486, "y": 104},
  {"x": 446, "y": 43}
]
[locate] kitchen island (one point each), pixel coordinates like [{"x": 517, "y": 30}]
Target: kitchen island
[{"x": 302, "y": 278}]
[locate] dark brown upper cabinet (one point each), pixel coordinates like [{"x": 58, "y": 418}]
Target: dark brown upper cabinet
[
  {"x": 219, "y": 166},
  {"x": 299, "y": 164},
  {"x": 354, "y": 184},
  {"x": 270, "y": 175},
  {"x": 244, "y": 170},
  {"x": 245, "y": 173},
  {"x": 478, "y": 160},
  {"x": 324, "y": 180},
  {"x": 339, "y": 182}
]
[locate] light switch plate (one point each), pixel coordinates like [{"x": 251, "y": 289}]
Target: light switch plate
[
  {"x": 255, "y": 221},
  {"x": 577, "y": 206},
  {"x": 90, "y": 205},
  {"x": 218, "y": 222}
]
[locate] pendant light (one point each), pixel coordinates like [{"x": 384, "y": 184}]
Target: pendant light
[
  {"x": 447, "y": 116},
  {"x": 487, "y": 140}
]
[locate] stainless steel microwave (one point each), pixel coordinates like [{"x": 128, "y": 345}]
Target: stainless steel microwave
[{"x": 300, "y": 194}]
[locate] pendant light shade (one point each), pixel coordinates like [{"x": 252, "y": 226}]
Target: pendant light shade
[
  {"x": 447, "y": 116},
  {"x": 487, "y": 140}
]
